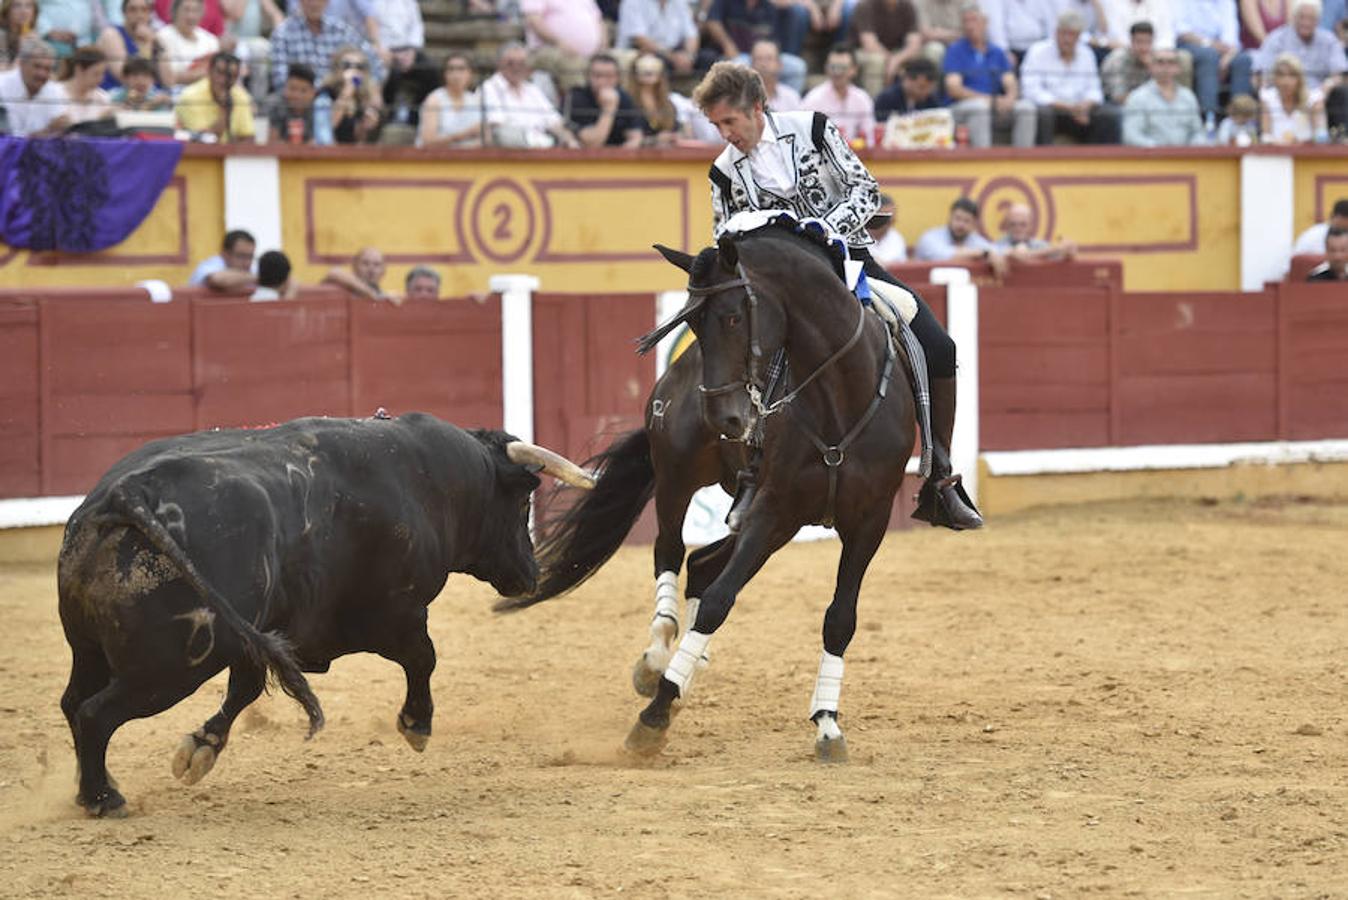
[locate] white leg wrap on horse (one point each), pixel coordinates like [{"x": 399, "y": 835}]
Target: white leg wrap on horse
[
  {"x": 667, "y": 596},
  {"x": 684, "y": 664},
  {"x": 828, "y": 685},
  {"x": 828, "y": 729}
]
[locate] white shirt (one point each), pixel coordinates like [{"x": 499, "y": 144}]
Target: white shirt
[
  {"x": 526, "y": 107},
  {"x": 784, "y": 99},
  {"x": 183, "y": 52},
  {"x": 1048, "y": 79},
  {"x": 890, "y": 249},
  {"x": 1122, "y": 14},
  {"x": 769, "y": 165},
  {"x": 28, "y": 114},
  {"x": 1312, "y": 241}
]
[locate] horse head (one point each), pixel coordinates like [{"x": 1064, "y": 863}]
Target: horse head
[{"x": 734, "y": 329}]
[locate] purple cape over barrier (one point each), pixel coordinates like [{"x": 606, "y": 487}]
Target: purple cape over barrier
[{"x": 79, "y": 195}]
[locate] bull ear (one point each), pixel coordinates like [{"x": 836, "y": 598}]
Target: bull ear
[
  {"x": 677, "y": 257},
  {"x": 730, "y": 254}
]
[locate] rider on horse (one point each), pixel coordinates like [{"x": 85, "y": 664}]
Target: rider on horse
[{"x": 798, "y": 161}]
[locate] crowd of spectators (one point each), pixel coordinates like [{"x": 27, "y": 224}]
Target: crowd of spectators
[{"x": 609, "y": 72}]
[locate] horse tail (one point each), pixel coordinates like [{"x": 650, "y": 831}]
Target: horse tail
[
  {"x": 574, "y": 546},
  {"x": 267, "y": 649}
]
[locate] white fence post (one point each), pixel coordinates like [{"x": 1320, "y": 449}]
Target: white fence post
[
  {"x": 961, "y": 304},
  {"x": 517, "y": 352},
  {"x": 1265, "y": 219},
  {"x": 253, "y": 198}
]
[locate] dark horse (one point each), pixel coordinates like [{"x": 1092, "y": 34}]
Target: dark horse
[{"x": 833, "y": 452}]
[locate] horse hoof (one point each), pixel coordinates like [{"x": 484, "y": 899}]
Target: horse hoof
[
  {"x": 645, "y": 677},
  {"x": 109, "y": 805},
  {"x": 417, "y": 736},
  {"x": 831, "y": 750},
  {"x": 643, "y": 740}
]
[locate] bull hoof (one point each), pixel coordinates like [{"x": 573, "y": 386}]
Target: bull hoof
[
  {"x": 109, "y": 804},
  {"x": 643, "y": 740},
  {"x": 417, "y": 736},
  {"x": 831, "y": 750},
  {"x": 645, "y": 676},
  {"x": 193, "y": 759}
]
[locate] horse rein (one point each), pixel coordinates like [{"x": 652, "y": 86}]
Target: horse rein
[{"x": 832, "y": 455}]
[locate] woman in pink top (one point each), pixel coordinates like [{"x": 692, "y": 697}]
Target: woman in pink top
[{"x": 1259, "y": 17}]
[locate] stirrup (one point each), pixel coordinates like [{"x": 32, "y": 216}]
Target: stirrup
[{"x": 944, "y": 502}]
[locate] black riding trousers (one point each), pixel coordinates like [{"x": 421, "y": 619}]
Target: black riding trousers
[{"x": 936, "y": 343}]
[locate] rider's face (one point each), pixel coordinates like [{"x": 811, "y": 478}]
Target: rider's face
[{"x": 739, "y": 128}]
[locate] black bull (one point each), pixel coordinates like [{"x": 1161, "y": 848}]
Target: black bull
[{"x": 279, "y": 550}]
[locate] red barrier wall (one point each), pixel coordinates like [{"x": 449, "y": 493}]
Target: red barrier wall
[{"x": 87, "y": 376}]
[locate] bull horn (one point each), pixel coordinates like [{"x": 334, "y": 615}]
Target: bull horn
[{"x": 558, "y": 466}]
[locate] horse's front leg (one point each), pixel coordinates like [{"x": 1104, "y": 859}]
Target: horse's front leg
[
  {"x": 671, "y": 505},
  {"x": 741, "y": 557},
  {"x": 840, "y": 623}
]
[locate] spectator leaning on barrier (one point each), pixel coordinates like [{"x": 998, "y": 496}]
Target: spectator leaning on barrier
[
  {"x": 34, "y": 104},
  {"x": 1163, "y": 112},
  {"x": 601, "y": 113},
  {"x": 849, "y": 107},
  {"x": 452, "y": 115},
  {"x": 982, "y": 85},
  {"x": 217, "y": 104},
  {"x": 889, "y": 246},
  {"x": 184, "y": 47},
  {"x": 958, "y": 240},
  {"x": 139, "y": 91},
  {"x": 312, "y": 38},
  {"x": 290, "y": 114},
  {"x": 887, "y": 34},
  {"x": 1019, "y": 243},
  {"x": 663, "y": 27},
  {"x": 1312, "y": 240},
  {"x": 273, "y": 277},
  {"x": 1240, "y": 128},
  {"x": 1335, "y": 266},
  {"x": 363, "y": 279},
  {"x": 232, "y": 269},
  {"x": 1060, "y": 77},
  {"x": 422, "y": 283},
  {"x": 766, "y": 59},
  {"x": 1208, "y": 31},
  {"x": 518, "y": 113}
]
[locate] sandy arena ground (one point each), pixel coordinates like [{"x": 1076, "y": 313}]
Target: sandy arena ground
[{"x": 1125, "y": 700}]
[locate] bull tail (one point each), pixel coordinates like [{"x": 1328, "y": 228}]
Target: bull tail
[
  {"x": 574, "y": 546},
  {"x": 267, "y": 649}
]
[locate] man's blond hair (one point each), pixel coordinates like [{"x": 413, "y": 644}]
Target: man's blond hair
[{"x": 732, "y": 83}]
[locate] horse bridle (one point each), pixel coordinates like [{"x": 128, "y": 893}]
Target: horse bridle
[
  {"x": 832, "y": 454},
  {"x": 752, "y": 383}
]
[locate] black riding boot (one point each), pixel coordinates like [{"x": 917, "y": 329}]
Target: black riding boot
[{"x": 942, "y": 500}]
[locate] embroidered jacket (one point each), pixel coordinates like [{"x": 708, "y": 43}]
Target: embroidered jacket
[{"x": 831, "y": 183}]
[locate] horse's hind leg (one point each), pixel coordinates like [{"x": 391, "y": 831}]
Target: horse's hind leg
[{"x": 840, "y": 623}]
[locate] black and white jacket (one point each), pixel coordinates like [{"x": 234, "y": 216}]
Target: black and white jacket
[{"x": 831, "y": 183}]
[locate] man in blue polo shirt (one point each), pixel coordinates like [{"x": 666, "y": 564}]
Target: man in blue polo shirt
[{"x": 981, "y": 81}]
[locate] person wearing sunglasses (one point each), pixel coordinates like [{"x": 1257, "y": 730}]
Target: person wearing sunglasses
[{"x": 357, "y": 105}]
